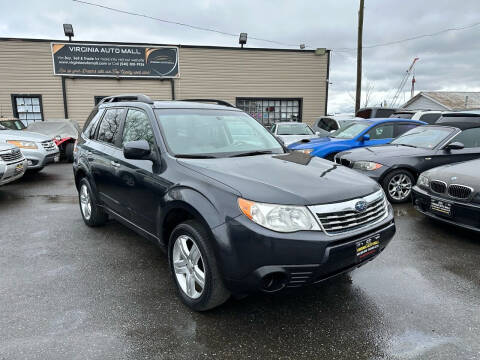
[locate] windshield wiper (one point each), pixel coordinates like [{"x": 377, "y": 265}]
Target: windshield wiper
[
  {"x": 408, "y": 145},
  {"x": 253, "y": 153},
  {"x": 195, "y": 156}
]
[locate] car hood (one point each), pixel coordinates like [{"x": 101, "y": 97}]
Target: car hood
[
  {"x": 22, "y": 135},
  {"x": 464, "y": 173},
  {"x": 4, "y": 147},
  {"x": 290, "y": 139},
  {"x": 290, "y": 179},
  {"x": 383, "y": 154}
]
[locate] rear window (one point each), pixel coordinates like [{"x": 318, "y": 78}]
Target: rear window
[
  {"x": 430, "y": 118},
  {"x": 384, "y": 113},
  {"x": 459, "y": 118},
  {"x": 364, "y": 113},
  {"x": 402, "y": 115}
]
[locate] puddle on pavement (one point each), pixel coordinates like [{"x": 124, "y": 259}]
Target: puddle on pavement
[{"x": 56, "y": 199}]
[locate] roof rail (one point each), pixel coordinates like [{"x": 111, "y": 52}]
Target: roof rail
[
  {"x": 219, "y": 102},
  {"x": 126, "y": 97}
]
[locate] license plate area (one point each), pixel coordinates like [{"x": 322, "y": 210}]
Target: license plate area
[
  {"x": 19, "y": 168},
  {"x": 441, "y": 207},
  {"x": 367, "y": 247}
]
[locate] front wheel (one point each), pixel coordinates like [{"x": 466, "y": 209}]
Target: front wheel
[
  {"x": 194, "y": 267},
  {"x": 398, "y": 186}
]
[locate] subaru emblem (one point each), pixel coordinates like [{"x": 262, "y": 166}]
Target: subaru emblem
[{"x": 361, "y": 206}]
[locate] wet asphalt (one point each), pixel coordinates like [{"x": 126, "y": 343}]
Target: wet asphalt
[{"x": 68, "y": 291}]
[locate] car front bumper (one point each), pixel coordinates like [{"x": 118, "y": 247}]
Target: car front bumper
[
  {"x": 12, "y": 171},
  {"x": 39, "y": 158},
  {"x": 464, "y": 215},
  {"x": 253, "y": 258}
]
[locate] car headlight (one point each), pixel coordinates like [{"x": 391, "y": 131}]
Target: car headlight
[
  {"x": 305, "y": 151},
  {"x": 423, "y": 182},
  {"x": 366, "y": 165},
  {"x": 281, "y": 218},
  {"x": 23, "y": 144}
]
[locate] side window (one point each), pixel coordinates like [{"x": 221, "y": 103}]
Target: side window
[
  {"x": 381, "y": 132},
  {"x": 430, "y": 118},
  {"x": 470, "y": 138},
  {"x": 110, "y": 125},
  {"x": 137, "y": 127},
  {"x": 400, "y": 129}
]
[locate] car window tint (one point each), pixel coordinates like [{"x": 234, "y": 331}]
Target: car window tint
[
  {"x": 137, "y": 127},
  {"x": 403, "y": 128},
  {"x": 364, "y": 114},
  {"x": 384, "y": 113},
  {"x": 327, "y": 124},
  {"x": 430, "y": 118},
  {"x": 91, "y": 127},
  {"x": 470, "y": 138},
  {"x": 110, "y": 125},
  {"x": 381, "y": 132}
]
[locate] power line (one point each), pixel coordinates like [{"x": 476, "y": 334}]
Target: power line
[
  {"x": 459, "y": 28},
  {"x": 194, "y": 27}
]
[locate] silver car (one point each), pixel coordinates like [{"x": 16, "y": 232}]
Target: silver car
[
  {"x": 38, "y": 149},
  {"x": 291, "y": 132},
  {"x": 12, "y": 163}
]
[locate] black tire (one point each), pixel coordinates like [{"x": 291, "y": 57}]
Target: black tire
[
  {"x": 391, "y": 177},
  {"x": 214, "y": 292},
  {"x": 97, "y": 216},
  {"x": 69, "y": 152}
]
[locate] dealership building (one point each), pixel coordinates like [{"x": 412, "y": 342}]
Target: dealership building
[{"x": 43, "y": 80}]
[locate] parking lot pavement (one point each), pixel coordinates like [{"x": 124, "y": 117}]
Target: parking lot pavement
[{"x": 72, "y": 292}]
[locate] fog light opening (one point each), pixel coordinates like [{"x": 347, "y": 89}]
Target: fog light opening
[{"x": 274, "y": 282}]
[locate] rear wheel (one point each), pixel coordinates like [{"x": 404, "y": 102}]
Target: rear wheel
[
  {"x": 92, "y": 214},
  {"x": 398, "y": 185},
  {"x": 194, "y": 267},
  {"x": 69, "y": 152}
]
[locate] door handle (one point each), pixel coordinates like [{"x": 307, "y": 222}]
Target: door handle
[{"x": 114, "y": 164}]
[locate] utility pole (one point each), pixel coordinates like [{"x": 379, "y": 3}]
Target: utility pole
[{"x": 359, "y": 56}]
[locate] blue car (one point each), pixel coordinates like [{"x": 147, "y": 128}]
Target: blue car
[{"x": 360, "y": 133}]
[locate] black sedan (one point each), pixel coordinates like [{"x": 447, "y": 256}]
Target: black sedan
[
  {"x": 451, "y": 193},
  {"x": 396, "y": 166}
]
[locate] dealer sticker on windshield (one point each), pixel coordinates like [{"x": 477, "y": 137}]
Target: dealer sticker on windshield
[{"x": 368, "y": 247}]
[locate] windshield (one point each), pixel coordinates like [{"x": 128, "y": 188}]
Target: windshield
[
  {"x": 294, "y": 129},
  {"x": 351, "y": 131},
  {"x": 13, "y": 124},
  {"x": 424, "y": 137},
  {"x": 217, "y": 133},
  {"x": 451, "y": 118}
]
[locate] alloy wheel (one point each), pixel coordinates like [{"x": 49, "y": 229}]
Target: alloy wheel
[
  {"x": 400, "y": 187},
  {"x": 188, "y": 266},
  {"x": 85, "y": 202}
]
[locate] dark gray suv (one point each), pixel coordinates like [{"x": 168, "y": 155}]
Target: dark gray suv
[{"x": 235, "y": 211}]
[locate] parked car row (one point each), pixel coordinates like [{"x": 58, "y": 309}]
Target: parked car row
[{"x": 40, "y": 144}]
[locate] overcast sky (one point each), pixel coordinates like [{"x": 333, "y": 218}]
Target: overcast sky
[{"x": 447, "y": 62}]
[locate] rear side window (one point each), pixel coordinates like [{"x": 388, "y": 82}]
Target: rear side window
[
  {"x": 137, "y": 127},
  {"x": 470, "y": 138},
  {"x": 110, "y": 125},
  {"x": 381, "y": 132},
  {"x": 91, "y": 124},
  {"x": 430, "y": 118},
  {"x": 384, "y": 113},
  {"x": 400, "y": 129}
]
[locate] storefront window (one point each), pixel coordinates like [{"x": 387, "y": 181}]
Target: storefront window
[
  {"x": 27, "y": 108},
  {"x": 268, "y": 111}
]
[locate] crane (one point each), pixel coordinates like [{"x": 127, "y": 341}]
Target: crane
[{"x": 403, "y": 82}]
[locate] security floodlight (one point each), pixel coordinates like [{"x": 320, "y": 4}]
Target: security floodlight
[
  {"x": 68, "y": 30},
  {"x": 242, "y": 40}
]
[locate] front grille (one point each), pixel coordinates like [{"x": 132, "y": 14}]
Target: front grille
[
  {"x": 459, "y": 191},
  {"x": 11, "y": 155},
  {"x": 344, "y": 217},
  {"x": 48, "y": 145},
  {"x": 438, "y": 186}
]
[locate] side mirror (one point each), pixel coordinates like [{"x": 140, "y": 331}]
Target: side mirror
[
  {"x": 365, "y": 137},
  {"x": 137, "y": 150},
  {"x": 456, "y": 145}
]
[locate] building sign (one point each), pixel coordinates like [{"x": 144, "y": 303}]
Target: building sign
[{"x": 70, "y": 59}]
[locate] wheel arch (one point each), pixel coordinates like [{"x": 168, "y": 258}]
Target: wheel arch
[{"x": 409, "y": 168}]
